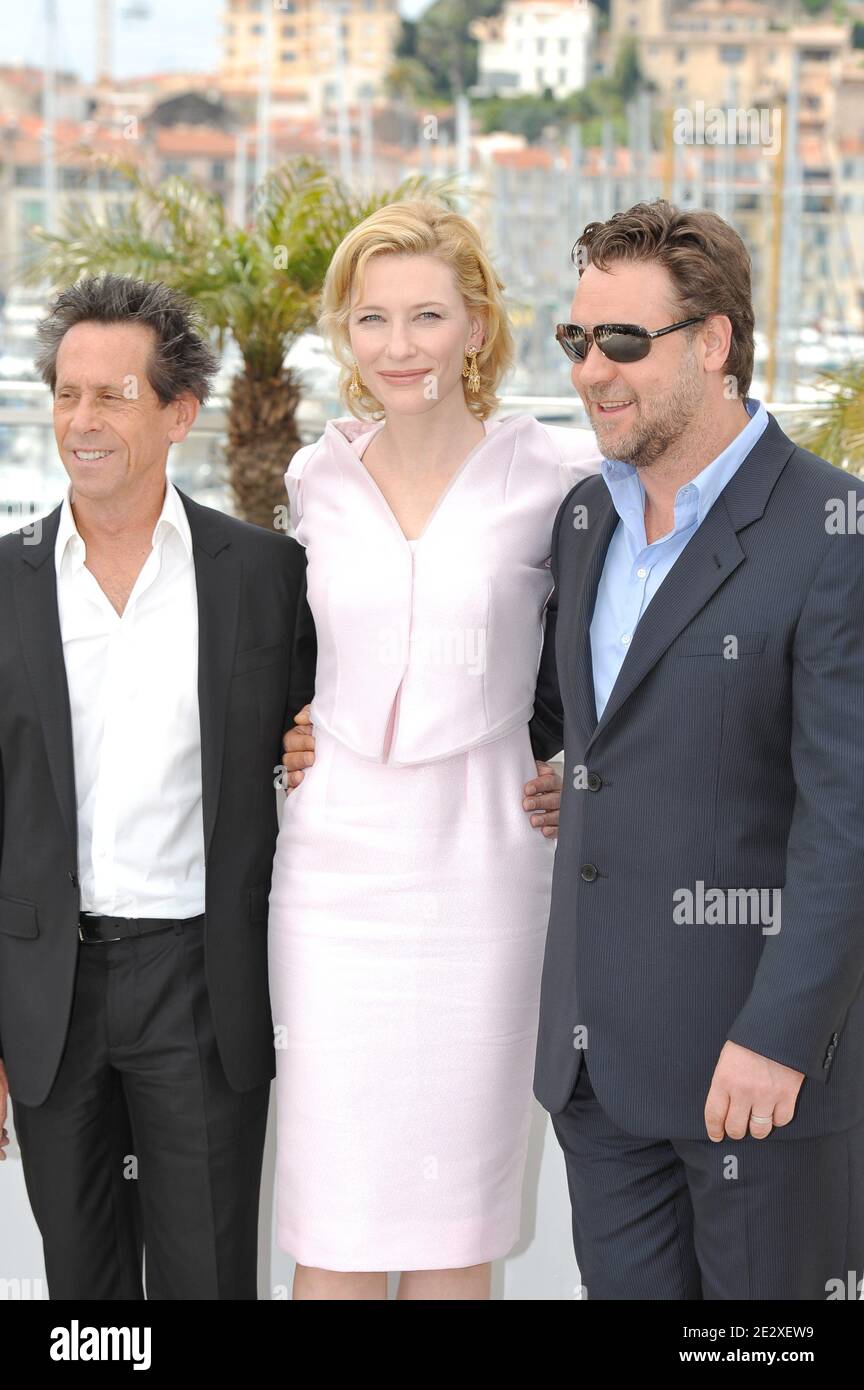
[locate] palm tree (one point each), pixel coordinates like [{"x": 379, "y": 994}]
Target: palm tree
[
  {"x": 259, "y": 283},
  {"x": 836, "y": 431}
]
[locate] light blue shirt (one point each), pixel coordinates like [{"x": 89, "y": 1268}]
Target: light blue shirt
[{"x": 634, "y": 570}]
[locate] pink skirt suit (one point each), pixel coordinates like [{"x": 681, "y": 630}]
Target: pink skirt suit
[{"x": 410, "y": 891}]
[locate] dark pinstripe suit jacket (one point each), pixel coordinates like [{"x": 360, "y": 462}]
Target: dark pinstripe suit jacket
[{"x": 741, "y": 772}]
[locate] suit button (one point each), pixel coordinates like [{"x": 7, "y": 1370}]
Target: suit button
[
  {"x": 73, "y": 879},
  {"x": 594, "y": 781},
  {"x": 835, "y": 1037},
  {"x": 589, "y": 872}
]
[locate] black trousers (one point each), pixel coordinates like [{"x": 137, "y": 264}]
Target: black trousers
[
  {"x": 141, "y": 1141},
  {"x": 693, "y": 1219}
]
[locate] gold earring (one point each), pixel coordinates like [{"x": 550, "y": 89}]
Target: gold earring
[
  {"x": 356, "y": 386},
  {"x": 469, "y": 368}
]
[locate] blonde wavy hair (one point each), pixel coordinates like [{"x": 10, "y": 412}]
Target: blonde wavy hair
[{"x": 419, "y": 227}]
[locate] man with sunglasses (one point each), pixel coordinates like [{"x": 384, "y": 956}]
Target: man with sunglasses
[{"x": 701, "y": 1043}]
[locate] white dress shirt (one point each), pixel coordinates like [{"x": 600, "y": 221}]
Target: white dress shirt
[{"x": 133, "y": 693}]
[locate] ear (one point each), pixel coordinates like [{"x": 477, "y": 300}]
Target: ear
[
  {"x": 478, "y": 329},
  {"x": 717, "y": 337},
  {"x": 184, "y": 413}
]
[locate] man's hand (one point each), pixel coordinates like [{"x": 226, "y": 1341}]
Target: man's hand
[
  {"x": 749, "y": 1090},
  {"x": 299, "y": 746},
  {"x": 4, "y": 1101},
  {"x": 543, "y": 796}
]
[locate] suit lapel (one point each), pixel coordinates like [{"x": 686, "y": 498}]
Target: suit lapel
[
  {"x": 710, "y": 556},
  {"x": 42, "y": 648},
  {"x": 601, "y": 520},
  {"x": 217, "y": 580}
]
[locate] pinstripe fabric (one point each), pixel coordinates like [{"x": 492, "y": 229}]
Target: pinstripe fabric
[
  {"x": 688, "y": 1219},
  {"x": 743, "y": 773}
]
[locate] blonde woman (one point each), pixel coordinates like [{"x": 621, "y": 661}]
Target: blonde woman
[{"x": 410, "y": 890}]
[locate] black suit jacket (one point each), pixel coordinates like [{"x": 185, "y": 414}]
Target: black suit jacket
[
  {"x": 740, "y": 773},
  {"x": 256, "y": 663}
]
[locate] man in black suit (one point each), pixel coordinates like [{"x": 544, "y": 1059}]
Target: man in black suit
[
  {"x": 149, "y": 650},
  {"x": 701, "y": 1042}
]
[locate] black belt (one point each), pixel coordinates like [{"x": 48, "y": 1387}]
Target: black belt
[{"x": 92, "y": 927}]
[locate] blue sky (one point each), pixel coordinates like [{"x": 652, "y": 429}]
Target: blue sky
[{"x": 180, "y": 34}]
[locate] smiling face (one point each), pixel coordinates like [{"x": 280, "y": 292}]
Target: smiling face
[
  {"x": 112, "y": 432},
  {"x": 639, "y": 410},
  {"x": 408, "y": 317}
]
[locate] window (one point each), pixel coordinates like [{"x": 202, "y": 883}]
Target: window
[
  {"x": 32, "y": 212},
  {"x": 113, "y": 178}
]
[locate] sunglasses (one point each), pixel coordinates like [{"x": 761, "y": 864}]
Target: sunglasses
[{"x": 620, "y": 342}]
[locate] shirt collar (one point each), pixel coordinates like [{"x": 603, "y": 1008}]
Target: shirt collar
[
  {"x": 695, "y": 499},
  {"x": 172, "y": 518}
]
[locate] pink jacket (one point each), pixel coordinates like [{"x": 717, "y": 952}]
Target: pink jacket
[{"x": 425, "y": 652}]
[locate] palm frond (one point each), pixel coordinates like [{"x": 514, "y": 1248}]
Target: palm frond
[{"x": 835, "y": 430}]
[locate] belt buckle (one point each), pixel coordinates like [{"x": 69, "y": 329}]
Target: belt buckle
[{"x": 94, "y": 941}]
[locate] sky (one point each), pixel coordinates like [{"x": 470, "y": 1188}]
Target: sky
[{"x": 180, "y": 34}]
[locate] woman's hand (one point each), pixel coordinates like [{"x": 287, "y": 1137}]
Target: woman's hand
[
  {"x": 543, "y": 797},
  {"x": 299, "y": 746}
]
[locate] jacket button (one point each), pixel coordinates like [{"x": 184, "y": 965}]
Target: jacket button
[
  {"x": 589, "y": 872},
  {"x": 73, "y": 879},
  {"x": 835, "y": 1037},
  {"x": 594, "y": 781}
]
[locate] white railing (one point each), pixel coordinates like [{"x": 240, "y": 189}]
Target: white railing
[{"x": 32, "y": 478}]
